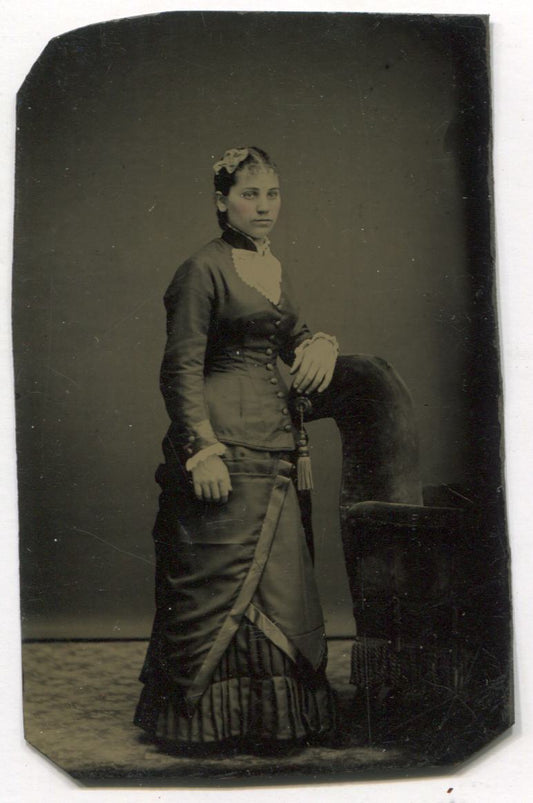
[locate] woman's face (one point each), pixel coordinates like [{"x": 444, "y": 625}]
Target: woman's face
[{"x": 253, "y": 202}]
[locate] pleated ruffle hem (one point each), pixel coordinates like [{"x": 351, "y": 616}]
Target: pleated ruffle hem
[{"x": 256, "y": 694}]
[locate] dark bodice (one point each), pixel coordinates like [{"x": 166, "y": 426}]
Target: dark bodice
[{"x": 219, "y": 377}]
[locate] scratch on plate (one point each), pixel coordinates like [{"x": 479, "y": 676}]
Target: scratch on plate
[
  {"x": 68, "y": 378},
  {"x": 116, "y": 548}
]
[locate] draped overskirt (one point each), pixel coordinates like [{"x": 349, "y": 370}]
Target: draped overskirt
[{"x": 238, "y": 646}]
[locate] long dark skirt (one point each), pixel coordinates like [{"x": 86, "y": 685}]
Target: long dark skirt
[{"x": 238, "y": 647}]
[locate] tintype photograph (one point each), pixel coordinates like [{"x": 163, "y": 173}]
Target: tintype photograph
[{"x": 257, "y": 374}]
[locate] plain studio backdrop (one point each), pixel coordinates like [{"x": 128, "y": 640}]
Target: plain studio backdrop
[{"x": 379, "y": 127}]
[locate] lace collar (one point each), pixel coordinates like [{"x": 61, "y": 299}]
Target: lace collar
[
  {"x": 254, "y": 263},
  {"x": 260, "y": 271}
]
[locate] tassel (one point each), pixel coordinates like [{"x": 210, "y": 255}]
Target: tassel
[
  {"x": 305, "y": 474},
  {"x": 303, "y": 464}
]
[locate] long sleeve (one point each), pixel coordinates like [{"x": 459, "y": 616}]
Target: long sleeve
[
  {"x": 189, "y": 301},
  {"x": 298, "y": 334}
]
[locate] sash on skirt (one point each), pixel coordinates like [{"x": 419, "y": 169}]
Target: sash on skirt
[{"x": 217, "y": 563}]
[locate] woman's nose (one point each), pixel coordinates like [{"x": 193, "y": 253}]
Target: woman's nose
[{"x": 263, "y": 204}]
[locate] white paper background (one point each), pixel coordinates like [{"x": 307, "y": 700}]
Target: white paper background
[{"x": 504, "y": 773}]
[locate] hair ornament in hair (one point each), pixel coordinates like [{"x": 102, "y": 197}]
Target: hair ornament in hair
[{"x": 231, "y": 160}]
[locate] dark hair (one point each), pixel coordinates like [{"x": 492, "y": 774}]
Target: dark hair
[{"x": 257, "y": 159}]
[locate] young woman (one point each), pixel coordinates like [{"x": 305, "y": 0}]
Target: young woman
[{"x": 238, "y": 649}]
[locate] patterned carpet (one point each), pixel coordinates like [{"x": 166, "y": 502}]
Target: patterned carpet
[{"x": 79, "y": 699}]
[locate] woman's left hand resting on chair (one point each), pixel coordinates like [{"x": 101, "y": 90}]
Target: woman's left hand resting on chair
[{"x": 314, "y": 365}]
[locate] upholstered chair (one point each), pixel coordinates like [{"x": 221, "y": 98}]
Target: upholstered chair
[{"x": 417, "y": 560}]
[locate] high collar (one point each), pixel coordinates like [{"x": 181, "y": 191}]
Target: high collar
[{"x": 238, "y": 239}]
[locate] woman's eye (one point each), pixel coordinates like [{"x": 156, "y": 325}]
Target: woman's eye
[
  {"x": 273, "y": 194},
  {"x": 248, "y": 195}
]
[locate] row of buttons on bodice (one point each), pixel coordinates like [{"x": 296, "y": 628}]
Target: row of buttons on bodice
[
  {"x": 271, "y": 352},
  {"x": 273, "y": 380}
]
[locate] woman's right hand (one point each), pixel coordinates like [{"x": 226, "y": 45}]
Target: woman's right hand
[{"x": 211, "y": 480}]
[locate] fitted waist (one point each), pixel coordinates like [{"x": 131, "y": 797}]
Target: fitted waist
[
  {"x": 241, "y": 360},
  {"x": 268, "y": 371},
  {"x": 264, "y": 460},
  {"x": 225, "y": 365},
  {"x": 248, "y": 405}
]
